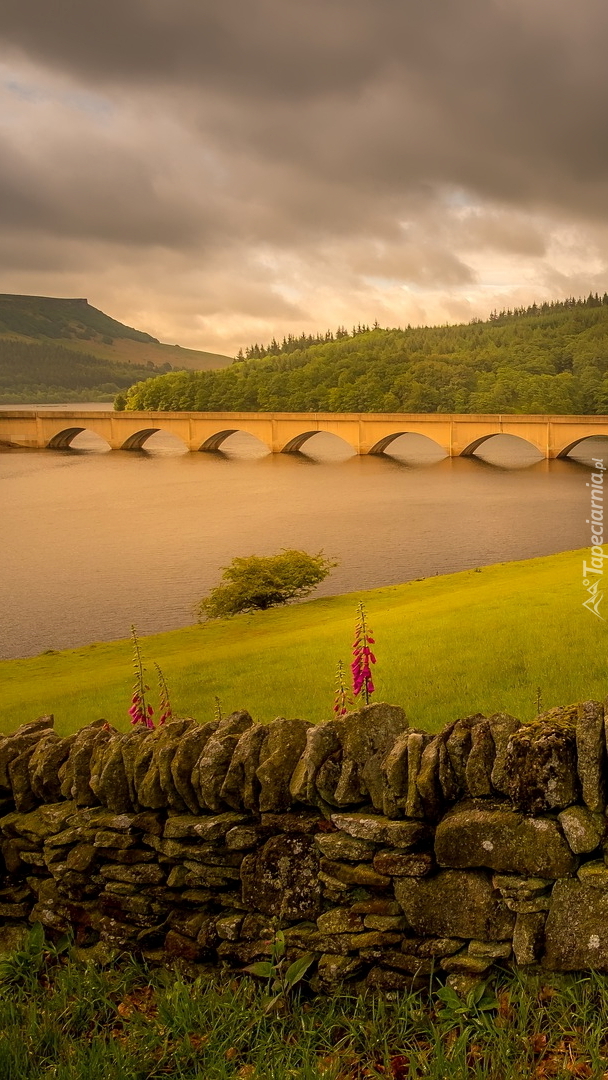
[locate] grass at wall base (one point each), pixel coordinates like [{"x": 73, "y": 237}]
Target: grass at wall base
[
  {"x": 62, "y": 1019},
  {"x": 447, "y": 646}
]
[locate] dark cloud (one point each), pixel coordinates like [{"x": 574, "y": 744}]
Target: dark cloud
[{"x": 275, "y": 164}]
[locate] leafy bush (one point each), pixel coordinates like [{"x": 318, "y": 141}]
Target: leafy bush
[{"x": 257, "y": 582}]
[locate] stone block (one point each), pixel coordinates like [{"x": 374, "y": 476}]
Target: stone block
[
  {"x": 495, "y": 950},
  {"x": 241, "y": 787},
  {"x": 540, "y": 764},
  {"x": 458, "y": 746},
  {"x": 455, "y": 903},
  {"x": 332, "y": 970},
  {"x": 187, "y": 753},
  {"x": 341, "y": 846},
  {"x": 474, "y": 834},
  {"x": 502, "y": 727},
  {"x": 376, "y": 906},
  {"x": 528, "y": 937},
  {"x": 591, "y": 754},
  {"x": 400, "y": 961},
  {"x": 404, "y": 835},
  {"x": 228, "y": 926},
  {"x": 282, "y": 878},
  {"x": 355, "y": 874},
  {"x": 322, "y": 741},
  {"x": 211, "y": 766},
  {"x": 427, "y": 781},
  {"x": 463, "y": 963},
  {"x": 340, "y": 921},
  {"x": 515, "y": 887},
  {"x": 584, "y": 830},
  {"x": 400, "y": 864},
  {"x": 207, "y": 828},
  {"x": 594, "y": 873},
  {"x": 576, "y": 931},
  {"x": 480, "y": 762},
  {"x": 279, "y": 755},
  {"x": 385, "y": 922}
]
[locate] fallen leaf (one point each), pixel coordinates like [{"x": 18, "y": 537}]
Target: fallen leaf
[
  {"x": 505, "y": 1009},
  {"x": 142, "y": 1001},
  {"x": 231, "y": 1053},
  {"x": 197, "y": 1042},
  {"x": 538, "y": 1043},
  {"x": 400, "y": 1067},
  {"x": 580, "y": 1069}
]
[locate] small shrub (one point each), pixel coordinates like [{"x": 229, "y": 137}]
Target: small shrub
[{"x": 257, "y": 582}]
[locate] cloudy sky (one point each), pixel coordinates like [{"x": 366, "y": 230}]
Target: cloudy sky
[{"x": 221, "y": 171}]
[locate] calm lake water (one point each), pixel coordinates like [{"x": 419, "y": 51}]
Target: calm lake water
[{"x": 94, "y": 540}]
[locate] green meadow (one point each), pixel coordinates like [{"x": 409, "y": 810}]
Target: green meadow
[{"x": 447, "y": 646}]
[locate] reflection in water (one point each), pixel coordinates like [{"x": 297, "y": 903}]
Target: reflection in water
[{"x": 94, "y": 541}]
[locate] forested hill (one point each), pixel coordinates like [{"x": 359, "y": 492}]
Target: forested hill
[
  {"x": 547, "y": 359},
  {"x": 54, "y": 349}
]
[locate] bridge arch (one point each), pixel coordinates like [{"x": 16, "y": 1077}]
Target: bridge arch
[
  {"x": 138, "y": 439},
  {"x": 295, "y": 444},
  {"x": 571, "y": 446},
  {"x": 382, "y": 445},
  {"x": 469, "y": 450},
  {"x": 62, "y": 440},
  {"x": 215, "y": 441}
]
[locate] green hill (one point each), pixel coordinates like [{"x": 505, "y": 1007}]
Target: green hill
[
  {"x": 54, "y": 349},
  {"x": 551, "y": 358}
]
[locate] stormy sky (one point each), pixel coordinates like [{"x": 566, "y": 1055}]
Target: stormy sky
[{"x": 221, "y": 171}]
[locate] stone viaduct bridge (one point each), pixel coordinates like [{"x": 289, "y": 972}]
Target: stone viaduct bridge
[{"x": 459, "y": 435}]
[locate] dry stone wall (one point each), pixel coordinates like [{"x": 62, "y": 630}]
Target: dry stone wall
[{"x": 388, "y": 852}]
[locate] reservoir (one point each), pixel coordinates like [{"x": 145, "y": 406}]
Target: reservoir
[{"x": 93, "y": 541}]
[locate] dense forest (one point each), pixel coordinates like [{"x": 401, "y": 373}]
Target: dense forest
[
  {"x": 549, "y": 358},
  {"x": 46, "y": 372}
]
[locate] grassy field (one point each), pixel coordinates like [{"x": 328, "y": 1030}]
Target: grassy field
[
  {"x": 67, "y": 1021},
  {"x": 446, "y": 646}
]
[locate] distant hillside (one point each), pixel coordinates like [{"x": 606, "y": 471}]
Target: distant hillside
[
  {"x": 551, "y": 358},
  {"x": 54, "y": 349}
]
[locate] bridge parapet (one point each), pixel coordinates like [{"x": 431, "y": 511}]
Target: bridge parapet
[{"x": 366, "y": 433}]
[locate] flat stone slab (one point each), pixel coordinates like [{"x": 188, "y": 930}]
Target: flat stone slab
[
  {"x": 502, "y": 839},
  {"x": 379, "y": 829}
]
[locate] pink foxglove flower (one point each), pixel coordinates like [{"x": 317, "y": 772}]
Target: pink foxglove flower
[
  {"x": 165, "y": 710},
  {"x": 342, "y": 699},
  {"x": 140, "y": 712},
  {"x": 363, "y": 657}
]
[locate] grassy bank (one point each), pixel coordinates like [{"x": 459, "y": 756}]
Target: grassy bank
[
  {"x": 68, "y": 1021},
  {"x": 446, "y": 646}
]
